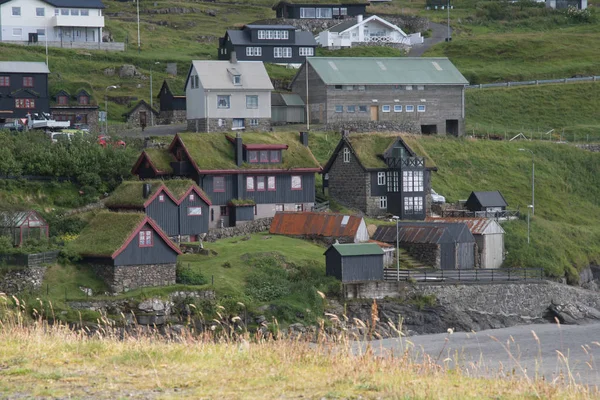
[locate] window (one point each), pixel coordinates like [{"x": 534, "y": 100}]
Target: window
[
  {"x": 85, "y": 13},
  {"x": 413, "y": 205},
  {"x": 307, "y": 12},
  {"x": 421, "y": 108},
  {"x": 410, "y": 108},
  {"x": 338, "y": 87},
  {"x": 237, "y": 80},
  {"x": 238, "y": 123},
  {"x": 348, "y": 87},
  {"x": 383, "y": 202},
  {"x": 278, "y": 207},
  {"x": 296, "y": 182},
  {"x": 324, "y": 13},
  {"x": 41, "y": 32},
  {"x": 346, "y": 155},
  {"x": 397, "y": 108},
  {"x": 253, "y": 156},
  {"x": 56, "y": 11},
  {"x": 251, "y": 101},
  {"x": 282, "y": 52},
  {"x": 264, "y": 156},
  {"x": 223, "y": 101},
  {"x": 299, "y": 207},
  {"x": 40, "y": 11},
  {"x": 75, "y": 11},
  {"x": 392, "y": 181},
  {"x": 161, "y": 198},
  {"x": 351, "y": 109},
  {"x": 362, "y": 108},
  {"x": 275, "y": 156},
  {"x": 408, "y": 87},
  {"x": 62, "y": 100},
  {"x": 307, "y": 51},
  {"x": 249, "y": 184},
  {"x": 17, "y": 31},
  {"x": 16, "y": 11},
  {"x": 192, "y": 82},
  {"x": 194, "y": 211},
  {"x": 339, "y": 109},
  {"x": 271, "y": 183},
  {"x": 381, "y": 178},
  {"x": 361, "y": 88},
  {"x": 254, "y": 51},
  {"x": 64, "y": 11},
  {"x": 343, "y": 11},
  {"x": 145, "y": 238},
  {"x": 4, "y": 81},
  {"x": 192, "y": 197},
  {"x": 420, "y": 87},
  {"x": 412, "y": 181},
  {"x": 84, "y": 100},
  {"x": 260, "y": 183},
  {"x": 223, "y": 211},
  {"x": 218, "y": 184},
  {"x": 24, "y": 103},
  {"x": 197, "y": 80},
  {"x": 385, "y": 108},
  {"x": 254, "y": 122}
]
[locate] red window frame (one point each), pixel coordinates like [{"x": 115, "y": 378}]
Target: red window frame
[
  {"x": 271, "y": 179},
  {"x": 25, "y": 103},
  {"x": 292, "y": 182},
  {"x": 62, "y": 100},
  {"x": 194, "y": 215},
  {"x": 253, "y": 156},
  {"x": 161, "y": 198},
  {"x": 264, "y": 156},
  {"x": 248, "y": 179},
  {"x": 28, "y": 81},
  {"x": 4, "y": 81},
  {"x": 145, "y": 238},
  {"x": 84, "y": 100},
  {"x": 264, "y": 184},
  {"x": 215, "y": 178},
  {"x": 275, "y": 156},
  {"x": 223, "y": 211}
]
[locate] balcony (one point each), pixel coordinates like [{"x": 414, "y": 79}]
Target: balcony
[
  {"x": 406, "y": 162},
  {"x": 78, "y": 21}
]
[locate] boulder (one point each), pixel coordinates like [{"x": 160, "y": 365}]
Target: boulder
[{"x": 128, "y": 71}]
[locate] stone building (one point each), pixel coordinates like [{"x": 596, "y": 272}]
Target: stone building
[
  {"x": 142, "y": 115},
  {"x": 79, "y": 109},
  {"x": 426, "y": 92}
]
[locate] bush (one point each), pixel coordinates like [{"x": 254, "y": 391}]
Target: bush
[
  {"x": 189, "y": 276},
  {"x": 268, "y": 281}
]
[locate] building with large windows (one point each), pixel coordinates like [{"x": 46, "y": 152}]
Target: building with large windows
[{"x": 23, "y": 89}]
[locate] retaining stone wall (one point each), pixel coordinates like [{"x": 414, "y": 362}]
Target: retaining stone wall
[
  {"x": 200, "y": 125},
  {"x": 372, "y": 126},
  {"x": 22, "y": 280},
  {"x": 123, "y": 278},
  {"x": 595, "y": 148},
  {"x": 258, "y": 225}
]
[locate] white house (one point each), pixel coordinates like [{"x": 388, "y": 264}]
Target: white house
[
  {"x": 51, "y": 20},
  {"x": 228, "y": 95},
  {"x": 370, "y": 30}
]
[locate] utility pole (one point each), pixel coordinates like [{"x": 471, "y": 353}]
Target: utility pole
[
  {"x": 138, "y": 26},
  {"x": 448, "y": 7},
  {"x": 152, "y": 98}
]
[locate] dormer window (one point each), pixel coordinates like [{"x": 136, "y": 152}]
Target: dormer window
[
  {"x": 275, "y": 156},
  {"x": 264, "y": 156},
  {"x": 62, "y": 100},
  {"x": 84, "y": 100},
  {"x": 237, "y": 79},
  {"x": 253, "y": 156}
]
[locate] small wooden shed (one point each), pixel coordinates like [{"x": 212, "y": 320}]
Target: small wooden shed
[
  {"x": 488, "y": 202},
  {"x": 354, "y": 262},
  {"x": 287, "y": 108},
  {"x": 326, "y": 227},
  {"x": 23, "y": 225}
]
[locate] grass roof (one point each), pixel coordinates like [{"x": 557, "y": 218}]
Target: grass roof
[
  {"x": 370, "y": 146},
  {"x": 105, "y": 234},
  {"x": 130, "y": 193},
  {"x": 212, "y": 151},
  {"x": 161, "y": 158}
]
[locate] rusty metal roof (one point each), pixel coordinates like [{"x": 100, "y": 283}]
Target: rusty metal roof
[
  {"x": 315, "y": 224},
  {"x": 424, "y": 232},
  {"x": 383, "y": 245},
  {"x": 477, "y": 226}
]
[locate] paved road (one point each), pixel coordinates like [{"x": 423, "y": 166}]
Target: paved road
[
  {"x": 514, "y": 348},
  {"x": 439, "y": 32},
  {"x": 158, "y": 130}
]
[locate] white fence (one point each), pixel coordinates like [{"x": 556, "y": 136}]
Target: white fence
[
  {"x": 110, "y": 46},
  {"x": 536, "y": 82}
]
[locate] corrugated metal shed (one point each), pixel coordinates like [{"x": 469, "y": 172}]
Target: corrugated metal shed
[
  {"x": 354, "y": 262},
  {"x": 413, "y": 234},
  {"x": 24, "y": 67},
  {"x": 477, "y": 226},
  {"x": 325, "y": 225},
  {"x": 387, "y": 71},
  {"x": 356, "y": 249}
]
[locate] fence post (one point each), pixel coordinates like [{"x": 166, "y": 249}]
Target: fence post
[{"x": 476, "y": 278}]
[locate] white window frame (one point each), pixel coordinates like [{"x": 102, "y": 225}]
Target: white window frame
[
  {"x": 362, "y": 109},
  {"x": 308, "y": 10},
  {"x": 75, "y": 12},
  {"x": 397, "y": 108},
  {"x": 296, "y": 182},
  {"x": 238, "y": 123},
  {"x": 84, "y": 12},
  {"x": 323, "y": 13},
  {"x": 253, "y": 121},
  {"x": 307, "y": 51},
  {"x": 339, "y": 108},
  {"x": 383, "y": 202},
  {"x": 224, "y": 97},
  {"x": 250, "y": 186},
  {"x": 420, "y": 87},
  {"x": 271, "y": 184},
  {"x": 254, "y": 51},
  {"x": 37, "y": 9},
  {"x": 385, "y": 109},
  {"x": 381, "y": 178},
  {"x": 421, "y": 108},
  {"x": 64, "y": 11},
  {"x": 408, "y": 87},
  {"x": 351, "y": 109},
  {"x": 412, "y": 181},
  {"x": 346, "y": 155},
  {"x": 41, "y": 32},
  {"x": 409, "y": 108},
  {"x": 237, "y": 80},
  {"x": 194, "y": 211},
  {"x": 250, "y": 103},
  {"x": 17, "y": 10}
]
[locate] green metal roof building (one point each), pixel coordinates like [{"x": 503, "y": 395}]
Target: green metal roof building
[{"x": 354, "y": 262}]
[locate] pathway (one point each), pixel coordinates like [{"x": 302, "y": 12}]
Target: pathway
[{"x": 439, "y": 32}]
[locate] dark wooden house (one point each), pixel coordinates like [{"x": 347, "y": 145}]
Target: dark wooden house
[
  {"x": 23, "y": 89},
  {"x": 141, "y": 115},
  {"x": 326, "y": 10},
  {"x": 488, "y": 202},
  {"x": 354, "y": 262},
  {"x": 178, "y": 206},
  {"x": 287, "y": 108},
  {"x": 438, "y": 245},
  {"x": 172, "y": 106},
  {"x": 281, "y": 44},
  {"x": 325, "y": 227},
  {"x": 127, "y": 250},
  {"x": 78, "y": 109},
  {"x": 378, "y": 174},
  {"x": 246, "y": 176},
  {"x": 21, "y": 226}
]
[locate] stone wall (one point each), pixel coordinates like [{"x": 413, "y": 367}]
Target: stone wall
[
  {"x": 22, "y": 279},
  {"x": 172, "y": 117},
  {"x": 226, "y": 124},
  {"x": 123, "y": 278},
  {"x": 258, "y": 225},
  {"x": 371, "y": 126},
  {"x": 595, "y": 148},
  {"x": 428, "y": 254},
  {"x": 133, "y": 119}
]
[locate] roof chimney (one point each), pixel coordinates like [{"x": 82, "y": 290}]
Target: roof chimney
[
  {"x": 233, "y": 58},
  {"x": 239, "y": 154},
  {"x": 359, "y": 18},
  {"x": 304, "y": 138},
  {"x": 146, "y": 187}
]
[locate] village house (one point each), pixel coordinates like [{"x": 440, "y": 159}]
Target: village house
[
  {"x": 300, "y": 9},
  {"x": 127, "y": 251},
  {"x": 246, "y": 176},
  {"x": 486, "y": 203},
  {"x": 362, "y": 31},
  {"x": 279, "y": 44},
  {"x": 228, "y": 95},
  {"x": 426, "y": 92},
  {"x": 78, "y": 109},
  {"x": 325, "y": 227},
  {"x": 141, "y": 115},
  {"x": 51, "y": 20},
  {"x": 172, "y": 106},
  {"x": 21, "y": 226},
  {"x": 354, "y": 262},
  {"x": 178, "y": 206},
  {"x": 379, "y": 174},
  {"x": 23, "y": 89}
]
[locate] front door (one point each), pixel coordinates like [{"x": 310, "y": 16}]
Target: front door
[
  {"x": 374, "y": 113},
  {"x": 143, "y": 119}
]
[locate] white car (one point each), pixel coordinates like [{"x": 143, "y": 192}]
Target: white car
[
  {"x": 56, "y": 136},
  {"x": 437, "y": 198}
]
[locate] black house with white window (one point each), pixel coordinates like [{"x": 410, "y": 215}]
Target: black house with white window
[
  {"x": 281, "y": 44},
  {"x": 301, "y": 10},
  {"x": 378, "y": 174},
  {"x": 23, "y": 89}
]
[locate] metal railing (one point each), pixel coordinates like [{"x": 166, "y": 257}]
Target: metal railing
[
  {"x": 498, "y": 215},
  {"x": 535, "y": 82},
  {"x": 463, "y": 275}
]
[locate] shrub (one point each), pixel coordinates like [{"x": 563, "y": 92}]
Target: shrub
[
  {"x": 189, "y": 276},
  {"x": 268, "y": 281}
]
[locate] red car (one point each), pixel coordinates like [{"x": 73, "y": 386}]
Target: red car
[{"x": 104, "y": 140}]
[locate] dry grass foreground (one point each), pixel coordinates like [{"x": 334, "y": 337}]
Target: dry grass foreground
[{"x": 39, "y": 360}]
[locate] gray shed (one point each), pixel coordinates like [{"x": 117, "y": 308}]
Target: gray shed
[
  {"x": 443, "y": 245},
  {"x": 287, "y": 108},
  {"x": 354, "y": 262}
]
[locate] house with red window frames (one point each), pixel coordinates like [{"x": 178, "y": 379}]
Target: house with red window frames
[
  {"x": 246, "y": 175},
  {"x": 23, "y": 89}
]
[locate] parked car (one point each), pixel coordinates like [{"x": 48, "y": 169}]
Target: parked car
[
  {"x": 12, "y": 126},
  {"x": 437, "y": 198},
  {"x": 104, "y": 141},
  {"x": 85, "y": 128},
  {"x": 56, "y": 136}
]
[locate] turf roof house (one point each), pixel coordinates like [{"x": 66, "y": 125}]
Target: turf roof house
[
  {"x": 77, "y": 109},
  {"x": 246, "y": 177},
  {"x": 228, "y": 95},
  {"x": 326, "y": 9},
  {"x": 379, "y": 174},
  {"x": 426, "y": 91},
  {"x": 172, "y": 106},
  {"x": 127, "y": 250},
  {"x": 178, "y": 206}
]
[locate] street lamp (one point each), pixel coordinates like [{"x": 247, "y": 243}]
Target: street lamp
[
  {"x": 530, "y": 206},
  {"x": 151, "y": 98},
  {"x": 397, "y": 218},
  {"x": 106, "y": 106},
  {"x": 532, "y": 181},
  {"x": 448, "y": 7},
  {"x": 138, "y": 26}
]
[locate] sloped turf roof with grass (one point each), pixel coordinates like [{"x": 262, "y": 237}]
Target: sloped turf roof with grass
[
  {"x": 130, "y": 193},
  {"x": 213, "y": 151},
  {"x": 370, "y": 146},
  {"x": 161, "y": 158},
  {"x": 105, "y": 234}
]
